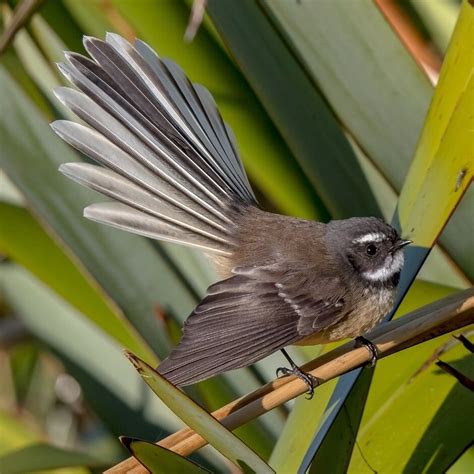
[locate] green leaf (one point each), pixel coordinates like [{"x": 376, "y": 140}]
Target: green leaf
[
  {"x": 14, "y": 433},
  {"x": 365, "y": 72},
  {"x": 13, "y": 65},
  {"x": 443, "y": 168},
  {"x": 50, "y": 263},
  {"x": 465, "y": 462},
  {"x": 411, "y": 395},
  {"x": 23, "y": 362},
  {"x": 455, "y": 237},
  {"x": 296, "y": 107},
  {"x": 299, "y": 430},
  {"x": 38, "y": 68},
  {"x": 341, "y": 435},
  {"x": 439, "y": 18},
  {"x": 48, "y": 42},
  {"x": 59, "y": 19},
  {"x": 41, "y": 456},
  {"x": 11, "y": 26},
  {"x": 195, "y": 267},
  {"x": 199, "y": 420},
  {"x": 90, "y": 17},
  {"x": 160, "y": 460},
  {"x": 218, "y": 391}
]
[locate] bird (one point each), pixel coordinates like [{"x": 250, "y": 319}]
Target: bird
[{"x": 171, "y": 169}]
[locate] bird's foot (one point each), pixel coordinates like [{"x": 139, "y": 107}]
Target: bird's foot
[
  {"x": 370, "y": 346},
  {"x": 310, "y": 381}
]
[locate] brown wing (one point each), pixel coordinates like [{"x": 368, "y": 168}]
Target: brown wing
[{"x": 250, "y": 315}]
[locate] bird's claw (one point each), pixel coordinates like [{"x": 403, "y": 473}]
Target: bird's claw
[
  {"x": 370, "y": 346},
  {"x": 310, "y": 381}
]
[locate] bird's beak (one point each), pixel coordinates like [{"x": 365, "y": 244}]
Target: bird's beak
[{"x": 399, "y": 244}]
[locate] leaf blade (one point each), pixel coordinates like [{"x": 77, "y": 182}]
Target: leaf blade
[
  {"x": 199, "y": 420},
  {"x": 108, "y": 382},
  {"x": 42, "y": 456},
  {"x": 159, "y": 460},
  {"x": 50, "y": 263}
]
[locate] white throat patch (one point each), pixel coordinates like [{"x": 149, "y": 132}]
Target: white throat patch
[{"x": 391, "y": 265}]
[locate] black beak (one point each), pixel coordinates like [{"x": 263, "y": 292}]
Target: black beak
[{"x": 399, "y": 244}]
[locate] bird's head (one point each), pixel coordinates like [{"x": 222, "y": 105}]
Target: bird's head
[{"x": 369, "y": 247}]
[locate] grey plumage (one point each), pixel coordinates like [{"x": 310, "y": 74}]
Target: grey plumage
[{"x": 171, "y": 166}]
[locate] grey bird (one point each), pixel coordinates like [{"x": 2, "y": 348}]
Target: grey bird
[{"x": 171, "y": 166}]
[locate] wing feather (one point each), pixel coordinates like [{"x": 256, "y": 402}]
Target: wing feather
[{"x": 250, "y": 315}]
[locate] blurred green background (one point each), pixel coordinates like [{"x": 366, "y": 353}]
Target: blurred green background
[{"x": 327, "y": 101}]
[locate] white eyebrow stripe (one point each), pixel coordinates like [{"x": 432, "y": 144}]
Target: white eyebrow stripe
[{"x": 370, "y": 237}]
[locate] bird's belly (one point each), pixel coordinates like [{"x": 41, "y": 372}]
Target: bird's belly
[{"x": 371, "y": 310}]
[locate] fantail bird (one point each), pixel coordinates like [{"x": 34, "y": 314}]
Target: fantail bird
[{"x": 172, "y": 167}]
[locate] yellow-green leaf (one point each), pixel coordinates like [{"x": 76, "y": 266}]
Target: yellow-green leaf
[
  {"x": 200, "y": 421},
  {"x": 443, "y": 165},
  {"x": 14, "y": 433},
  {"x": 109, "y": 384},
  {"x": 160, "y": 460}
]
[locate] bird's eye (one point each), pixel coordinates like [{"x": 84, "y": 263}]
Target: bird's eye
[{"x": 371, "y": 249}]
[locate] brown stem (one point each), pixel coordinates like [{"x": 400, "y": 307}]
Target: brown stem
[
  {"x": 419, "y": 48},
  {"x": 446, "y": 315},
  {"x": 22, "y": 13},
  {"x": 459, "y": 376}
]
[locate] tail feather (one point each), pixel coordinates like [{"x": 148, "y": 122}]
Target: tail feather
[
  {"x": 202, "y": 118},
  {"x": 167, "y": 156},
  {"x": 207, "y": 122},
  {"x": 127, "y": 218},
  {"x": 215, "y": 119},
  {"x": 136, "y": 79},
  {"x": 86, "y": 75},
  {"x": 119, "y": 188},
  {"x": 97, "y": 147},
  {"x": 119, "y": 135}
]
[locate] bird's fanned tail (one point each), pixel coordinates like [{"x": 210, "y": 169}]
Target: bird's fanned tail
[{"x": 166, "y": 157}]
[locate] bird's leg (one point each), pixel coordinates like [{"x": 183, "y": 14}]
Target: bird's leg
[
  {"x": 308, "y": 379},
  {"x": 370, "y": 346}
]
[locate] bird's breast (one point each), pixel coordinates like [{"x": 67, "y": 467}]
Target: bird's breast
[{"x": 369, "y": 310}]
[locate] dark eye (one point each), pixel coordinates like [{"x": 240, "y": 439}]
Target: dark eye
[{"x": 371, "y": 249}]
